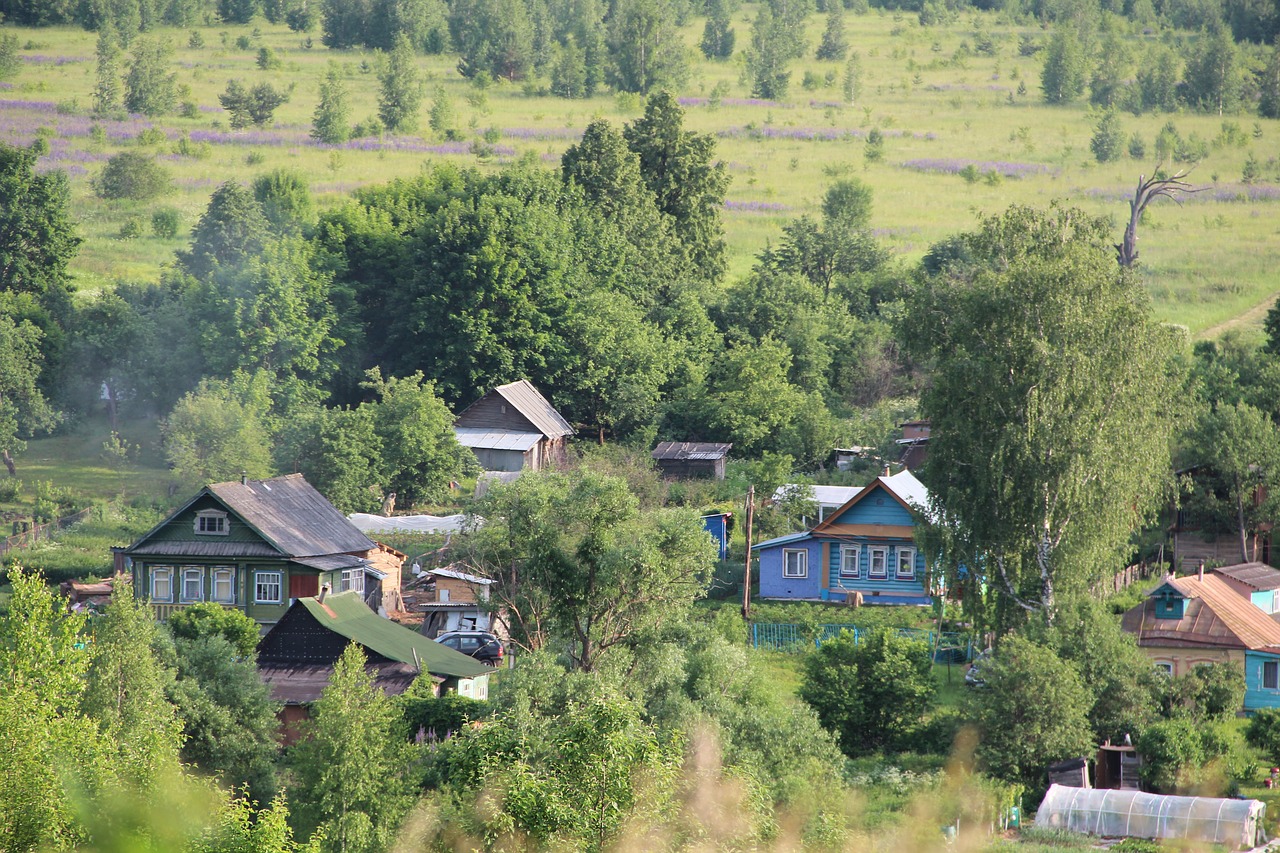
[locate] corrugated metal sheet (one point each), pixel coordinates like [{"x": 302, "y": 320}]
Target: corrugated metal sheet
[
  {"x": 347, "y": 615},
  {"x": 1214, "y": 616},
  {"x": 781, "y": 540},
  {"x": 302, "y": 684},
  {"x": 203, "y": 548},
  {"x": 535, "y": 407},
  {"x": 496, "y": 439},
  {"x": 291, "y": 514},
  {"x": 708, "y": 450},
  {"x": 1258, "y": 576}
]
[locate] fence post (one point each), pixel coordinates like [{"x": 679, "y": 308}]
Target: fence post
[{"x": 755, "y": 639}]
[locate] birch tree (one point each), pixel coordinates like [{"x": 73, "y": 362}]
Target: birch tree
[{"x": 1052, "y": 403}]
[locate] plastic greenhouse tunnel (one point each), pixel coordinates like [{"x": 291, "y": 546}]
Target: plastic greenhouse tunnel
[{"x": 1125, "y": 813}]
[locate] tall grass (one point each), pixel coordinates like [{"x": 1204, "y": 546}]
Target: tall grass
[{"x": 934, "y": 98}]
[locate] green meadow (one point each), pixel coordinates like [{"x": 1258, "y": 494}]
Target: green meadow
[{"x": 939, "y": 103}]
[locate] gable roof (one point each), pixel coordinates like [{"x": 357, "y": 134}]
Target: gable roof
[
  {"x": 902, "y": 487},
  {"x": 821, "y": 495},
  {"x": 1257, "y": 576},
  {"x": 287, "y": 512},
  {"x": 347, "y": 615},
  {"x": 681, "y": 450},
  {"x": 1214, "y": 616},
  {"x": 529, "y": 402}
]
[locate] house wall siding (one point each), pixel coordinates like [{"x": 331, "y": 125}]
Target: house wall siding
[
  {"x": 488, "y": 413},
  {"x": 1255, "y": 695},
  {"x": 181, "y": 528},
  {"x": 774, "y": 585}
]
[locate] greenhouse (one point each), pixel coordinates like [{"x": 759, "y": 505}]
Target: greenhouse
[{"x": 1117, "y": 813}]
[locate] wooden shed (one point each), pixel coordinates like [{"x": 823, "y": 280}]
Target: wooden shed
[
  {"x": 514, "y": 428},
  {"x": 686, "y": 459}
]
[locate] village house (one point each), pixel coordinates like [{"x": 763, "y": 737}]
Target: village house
[
  {"x": 865, "y": 550},
  {"x": 257, "y": 546},
  {"x": 297, "y": 656},
  {"x": 514, "y": 428},
  {"x": 1202, "y": 619}
]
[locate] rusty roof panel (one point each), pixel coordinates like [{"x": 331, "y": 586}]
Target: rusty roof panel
[{"x": 708, "y": 450}]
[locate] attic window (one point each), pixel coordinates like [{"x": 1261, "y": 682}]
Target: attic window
[{"x": 211, "y": 522}]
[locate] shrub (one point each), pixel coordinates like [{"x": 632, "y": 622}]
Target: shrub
[
  {"x": 165, "y": 222},
  {"x": 195, "y": 41},
  {"x": 1137, "y": 148},
  {"x": 1107, "y": 143},
  {"x": 10, "y": 489},
  {"x": 132, "y": 175},
  {"x": 130, "y": 229},
  {"x": 1183, "y": 755},
  {"x": 268, "y": 59},
  {"x": 1264, "y": 733},
  {"x": 207, "y": 618},
  {"x": 150, "y": 136}
]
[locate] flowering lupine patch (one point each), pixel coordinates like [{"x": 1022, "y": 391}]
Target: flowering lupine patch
[
  {"x": 38, "y": 59},
  {"x": 954, "y": 166},
  {"x": 756, "y": 206},
  {"x": 543, "y": 133},
  {"x": 735, "y": 102}
]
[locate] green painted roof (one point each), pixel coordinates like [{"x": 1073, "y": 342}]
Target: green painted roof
[{"x": 348, "y": 615}]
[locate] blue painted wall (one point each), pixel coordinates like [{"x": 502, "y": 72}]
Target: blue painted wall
[
  {"x": 1264, "y": 599},
  {"x": 1255, "y": 696},
  {"x": 717, "y": 526},
  {"x": 774, "y": 585},
  {"x": 876, "y": 506}
]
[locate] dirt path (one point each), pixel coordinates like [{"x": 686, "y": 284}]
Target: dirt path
[{"x": 1251, "y": 317}]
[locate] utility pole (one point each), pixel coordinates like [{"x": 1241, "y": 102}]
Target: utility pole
[{"x": 746, "y": 578}]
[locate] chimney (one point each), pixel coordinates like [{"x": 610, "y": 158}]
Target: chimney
[
  {"x": 324, "y": 590},
  {"x": 244, "y": 478},
  {"x": 1200, "y": 572},
  {"x": 886, "y": 470}
]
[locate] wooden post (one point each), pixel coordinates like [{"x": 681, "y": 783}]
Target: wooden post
[{"x": 746, "y": 576}]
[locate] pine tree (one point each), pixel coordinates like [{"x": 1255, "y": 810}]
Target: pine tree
[
  {"x": 443, "y": 117},
  {"x": 331, "y": 122},
  {"x": 108, "y": 95},
  {"x": 1066, "y": 68},
  {"x": 834, "y": 46},
  {"x": 400, "y": 94}
]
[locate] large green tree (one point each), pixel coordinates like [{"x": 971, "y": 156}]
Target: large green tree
[
  {"x": 1240, "y": 446},
  {"x": 577, "y": 559},
  {"x": 215, "y": 433},
  {"x": 1052, "y": 401},
  {"x": 23, "y": 408}
]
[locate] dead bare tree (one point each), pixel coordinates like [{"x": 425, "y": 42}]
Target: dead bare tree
[{"x": 1149, "y": 189}]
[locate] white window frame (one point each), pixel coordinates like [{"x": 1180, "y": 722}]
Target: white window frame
[
  {"x": 167, "y": 572},
  {"x": 217, "y": 575},
  {"x": 910, "y": 554},
  {"x": 268, "y": 580},
  {"x": 1164, "y": 667},
  {"x": 883, "y": 574},
  {"x": 187, "y": 573},
  {"x": 1275, "y": 670},
  {"x": 802, "y": 563},
  {"x": 849, "y": 557},
  {"x": 353, "y": 579},
  {"x": 214, "y": 518}
]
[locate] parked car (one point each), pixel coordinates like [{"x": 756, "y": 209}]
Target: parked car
[{"x": 481, "y": 645}]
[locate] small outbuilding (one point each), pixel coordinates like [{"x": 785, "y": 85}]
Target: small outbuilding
[
  {"x": 681, "y": 460},
  {"x": 514, "y": 428},
  {"x": 1238, "y": 824}
]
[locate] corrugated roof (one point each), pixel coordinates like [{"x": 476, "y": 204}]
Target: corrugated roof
[
  {"x": 708, "y": 450},
  {"x": 292, "y": 515},
  {"x": 347, "y": 615},
  {"x": 1257, "y": 576},
  {"x": 530, "y": 403},
  {"x": 462, "y": 576},
  {"x": 822, "y": 495},
  {"x": 1214, "y": 615},
  {"x": 496, "y": 439}
]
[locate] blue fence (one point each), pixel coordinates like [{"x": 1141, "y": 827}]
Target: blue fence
[{"x": 946, "y": 647}]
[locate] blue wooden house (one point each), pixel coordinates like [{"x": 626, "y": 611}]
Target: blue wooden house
[
  {"x": 866, "y": 546},
  {"x": 1190, "y": 621}
]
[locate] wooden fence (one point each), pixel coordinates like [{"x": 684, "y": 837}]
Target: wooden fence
[
  {"x": 1128, "y": 576},
  {"x": 784, "y": 637},
  {"x": 37, "y": 532}
]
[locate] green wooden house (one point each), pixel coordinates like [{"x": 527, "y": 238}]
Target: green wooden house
[{"x": 259, "y": 545}]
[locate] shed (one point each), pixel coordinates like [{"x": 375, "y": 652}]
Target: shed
[
  {"x": 1135, "y": 814},
  {"x": 685, "y": 459},
  {"x": 513, "y": 428},
  {"x": 1257, "y": 582}
]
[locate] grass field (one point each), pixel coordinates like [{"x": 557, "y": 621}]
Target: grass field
[{"x": 940, "y": 105}]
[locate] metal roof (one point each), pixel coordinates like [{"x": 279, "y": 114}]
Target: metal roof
[
  {"x": 496, "y": 439},
  {"x": 332, "y": 562},
  {"x": 292, "y": 515},
  {"x": 821, "y": 495},
  {"x": 781, "y": 540},
  {"x": 708, "y": 450},
  {"x": 456, "y": 575},
  {"x": 346, "y": 614},
  {"x": 1214, "y": 615},
  {"x": 530, "y": 403},
  {"x": 1258, "y": 576}
]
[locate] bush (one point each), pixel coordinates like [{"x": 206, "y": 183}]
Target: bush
[
  {"x": 165, "y": 222},
  {"x": 130, "y": 229},
  {"x": 438, "y": 716},
  {"x": 150, "y": 136},
  {"x": 1108, "y": 140},
  {"x": 1185, "y": 755},
  {"x": 207, "y": 619},
  {"x": 1264, "y": 733},
  {"x": 132, "y": 175}
]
